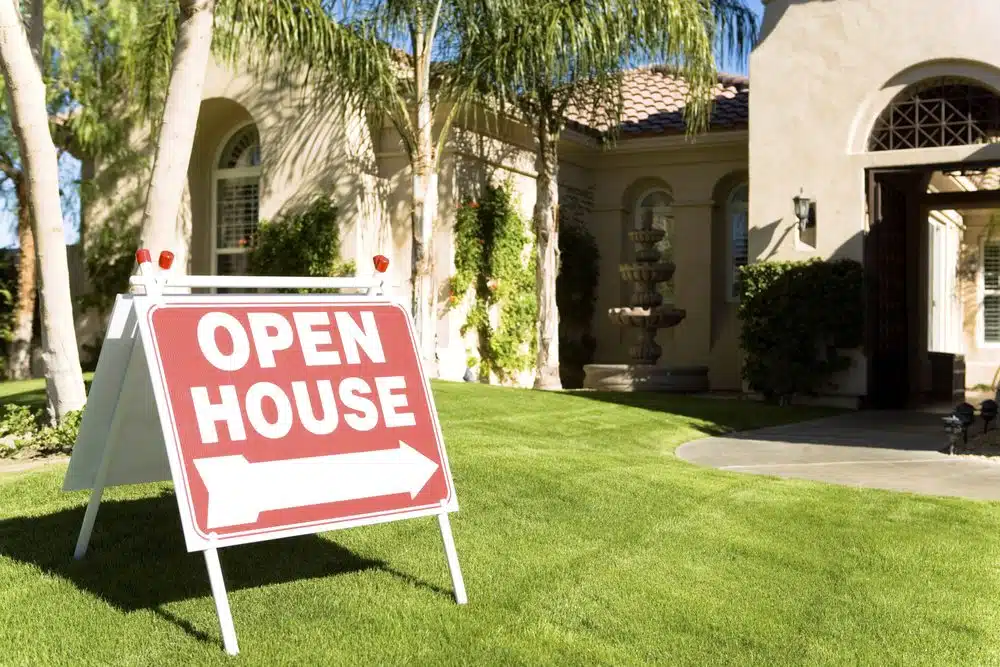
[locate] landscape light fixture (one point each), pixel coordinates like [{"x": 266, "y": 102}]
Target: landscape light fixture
[
  {"x": 803, "y": 210},
  {"x": 988, "y": 411}
]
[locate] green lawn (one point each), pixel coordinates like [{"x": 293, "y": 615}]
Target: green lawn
[
  {"x": 29, "y": 392},
  {"x": 583, "y": 540}
]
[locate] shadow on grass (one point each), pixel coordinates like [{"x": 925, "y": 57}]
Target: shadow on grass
[
  {"x": 712, "y": 416},
  {"x": 137, "y": 558},
  {"x": 755, "y": 421},
  {"x": 33, "y": 398}
]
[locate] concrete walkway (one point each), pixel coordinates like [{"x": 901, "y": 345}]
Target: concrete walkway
[
  {"x": 882, "y": 450},
  {"x": 22, "y": 465}
]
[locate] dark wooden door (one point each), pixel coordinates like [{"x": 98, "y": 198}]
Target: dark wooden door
[{"x": 887, "y": 257}]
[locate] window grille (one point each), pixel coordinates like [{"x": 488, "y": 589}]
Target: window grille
[{"x": 938, "y": 112}]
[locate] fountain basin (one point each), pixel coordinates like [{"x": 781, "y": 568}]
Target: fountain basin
[
  {"x": 653, "y": 318},
  {"x": 647, "y": 273},
  {"x": 649, "y": 236},
  {"x": 635, "y": 377}
]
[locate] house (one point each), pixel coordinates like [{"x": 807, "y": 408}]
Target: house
[{"x": 883, "y": 114}]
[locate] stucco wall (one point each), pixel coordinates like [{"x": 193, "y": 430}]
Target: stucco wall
[{"x": 822, "y": 72}]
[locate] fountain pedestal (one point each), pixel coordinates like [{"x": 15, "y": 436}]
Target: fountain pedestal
[{"x": 647, "y": 314}]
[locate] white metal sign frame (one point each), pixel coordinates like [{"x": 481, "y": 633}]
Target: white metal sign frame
[{"x": 123, "y": 373}]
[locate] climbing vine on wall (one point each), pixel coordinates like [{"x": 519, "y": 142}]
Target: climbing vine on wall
[{"x": 493, "y": 257}]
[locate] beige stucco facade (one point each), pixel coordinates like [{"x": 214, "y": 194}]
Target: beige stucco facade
[{"x": 311, "y": 146}]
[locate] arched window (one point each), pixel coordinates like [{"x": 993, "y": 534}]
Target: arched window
[
  {"x": 237, "y": 201},
  {"x": 654, "y": 211},
  {"x": 738, "y": 227},
  {"x": 938, "y": 112}
]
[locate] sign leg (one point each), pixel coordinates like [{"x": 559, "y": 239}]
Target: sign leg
[
  {"x": 114, "y": 427},
  {"x": 83, "y": 541},
  {"x": 90, "y": 516},
  {"x": 457, "y": 582},
  {"x": 221, "y": 601}
]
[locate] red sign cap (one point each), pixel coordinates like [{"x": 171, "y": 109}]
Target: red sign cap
[
  {"x": 166, "y": 259},
  {"x": 142, "y": 256},
  {"x": 381, "y": 263}
]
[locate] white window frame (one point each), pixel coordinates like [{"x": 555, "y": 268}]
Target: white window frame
[
  {"x": 666, "y": 210},
  {"x": 222, "y": 174},
  {"x": 982, "y": 293},
  {"x": 732, "y": 295}
]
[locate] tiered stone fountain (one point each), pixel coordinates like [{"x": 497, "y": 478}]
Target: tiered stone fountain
[{"x": 648, "y": 314}]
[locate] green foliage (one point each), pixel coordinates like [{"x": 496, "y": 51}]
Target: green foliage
[
  {"x": 8, "y": 291},
  {"x": 576, "y": 297},
  {"x": 59, "y": 438},
  {"x": 491, "y": 244},
  {"x": 796, "y": 318},
  {"x": 17, "y": 420},
  {"x": 109, "y": 258},
  {"x": 302, "y": 243},
  {"x": 21, "y": 428}
]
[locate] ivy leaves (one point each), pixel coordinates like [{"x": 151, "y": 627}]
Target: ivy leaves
[{"x": 494, "y": 256}]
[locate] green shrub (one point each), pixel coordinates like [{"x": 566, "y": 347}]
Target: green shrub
[
  {"x": 302, "y": 243},
  {"x": 59, "y": 438},
  {"x": 576, "y": 297},
  {"x": 8, "y": 291},
  {"x": 109, "y": 259},
  {"x": 491, "y": 242},
  {"x": 796, "y": 318},
  {"x": 16, "y": 420},
  {"x": 21, "y": 428}
]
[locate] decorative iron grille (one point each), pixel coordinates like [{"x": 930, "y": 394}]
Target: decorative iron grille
[
  {"x": 938, "y": 112},
  {"x": 238, "y": 213}
]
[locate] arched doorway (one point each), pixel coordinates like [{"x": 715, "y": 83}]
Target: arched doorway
[{"x": 934, "y": 113}]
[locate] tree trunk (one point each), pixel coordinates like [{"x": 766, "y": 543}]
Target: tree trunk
[
  {"x": 424, "y": 205},
  {"x": 19, "y": 358},
  {"x": 547, "y": 248},
  {"x": 163, "y": 228},
  {"x": 425, "y": 182},
  {"x": 29, "y": 118}
]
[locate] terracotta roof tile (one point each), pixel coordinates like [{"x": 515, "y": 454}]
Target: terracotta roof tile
[{"x": 653, "y": 103}]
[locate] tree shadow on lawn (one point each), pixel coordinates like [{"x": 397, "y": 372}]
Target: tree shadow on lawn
[
  {"x": 32, "y": 398},
  {"x": 758, "y": 422},
  {"x": 718, "y": 415},
  {"x": 137, "y": 558}
]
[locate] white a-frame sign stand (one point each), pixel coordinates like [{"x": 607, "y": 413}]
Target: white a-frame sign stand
[{"x": 127, "y": 397}]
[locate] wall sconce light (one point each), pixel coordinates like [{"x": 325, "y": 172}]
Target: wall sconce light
[{"x": 803, "y": 211}]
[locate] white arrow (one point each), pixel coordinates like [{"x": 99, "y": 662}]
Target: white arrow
[{"x": 238, "y": 491}]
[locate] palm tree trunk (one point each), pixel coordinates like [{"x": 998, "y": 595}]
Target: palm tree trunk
[
  {"x": 425, "y": 182},
  {"x": 29, "y": 118},
  {"x": 19, "y": 358},
  {"x": 547, "y": 248},
  {"x": 163, "y": 228}
]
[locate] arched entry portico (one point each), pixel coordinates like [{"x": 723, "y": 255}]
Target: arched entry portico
[{"x": 923, "y": 120}]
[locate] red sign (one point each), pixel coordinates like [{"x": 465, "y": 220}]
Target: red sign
[{"x": 295, "y": 415}]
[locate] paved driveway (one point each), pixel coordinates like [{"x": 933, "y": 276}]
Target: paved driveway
[{"x": 882, "y": 450}]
